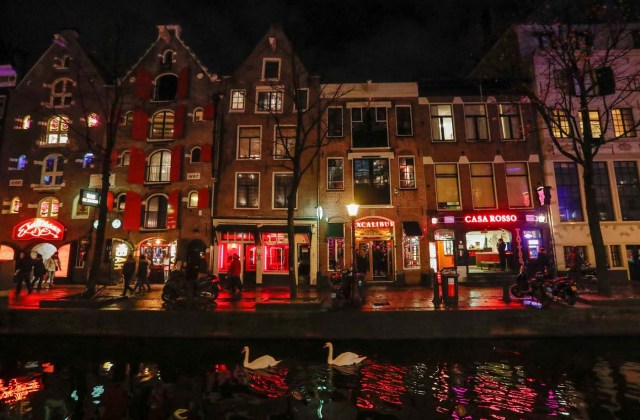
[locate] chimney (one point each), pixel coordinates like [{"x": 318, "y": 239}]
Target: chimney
[{"x": 166, "y": 32}]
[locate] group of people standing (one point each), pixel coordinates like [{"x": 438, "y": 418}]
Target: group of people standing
[
  {"x": 141, "y": 271},
  {"x": 35, "y": 270}
]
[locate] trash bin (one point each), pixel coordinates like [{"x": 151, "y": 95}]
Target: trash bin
[{"x": 449, "y": 286}]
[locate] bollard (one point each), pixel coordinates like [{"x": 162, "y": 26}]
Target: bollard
[
  {"x": 437, "y": 299},
  {"x": 506, "y": 296}
]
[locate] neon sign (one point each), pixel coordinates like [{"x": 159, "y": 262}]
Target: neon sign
[
  {"x": 38, "y": 229},
  {"x": 491, "y": 218},
  {"x": 375, "y": 224},
  {"x": 17, "y": 389}
]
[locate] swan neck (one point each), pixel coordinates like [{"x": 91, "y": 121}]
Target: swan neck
[
  {"x": 330, "y": 357},
  {"x": 246, "y": 357}
]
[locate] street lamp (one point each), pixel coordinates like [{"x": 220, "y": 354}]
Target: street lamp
[{"x": 352, "y": 210}]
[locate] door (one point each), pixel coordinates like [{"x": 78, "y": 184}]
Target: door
[
  {"x": 250, "y": 264},
  {"x": 381, "y": 260},
  {"x": 633, "y": 259},
  {"x": 304, "y": 264}
]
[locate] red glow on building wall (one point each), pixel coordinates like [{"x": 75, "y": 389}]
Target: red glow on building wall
[{"x": 38, "y": 228}]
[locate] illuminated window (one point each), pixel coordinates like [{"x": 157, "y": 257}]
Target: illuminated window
[
  {"x": 623, "y": 124},
  {"x": 561, "y": 127},
  {"x": 155, "y": 215},
  {"x": 335, "y": 174},
  {"x": 404, "y": 123},
  {"x": 568, "y": 188},
  {"x": 198, "y": 115},
  {"x": 284, "y": 146},
  {"x": 475, "y": 119},
  {"x": 57, "y": 130},
  {"x": 411, "y": 251},
  {"x": 510, "y": 122},
  {"x": 87, "y": 161},
  {"x": 407, "y": 173},
  {"x": 127, "y": 118},
  {"x": 282, "y": 186},
  {"x": 271, "y": 69},
  {"x": 336, "y": 251},
  {"x": 48, "y": 207},
  {"x": 482, "y": 191},
  {"x": 628, "y": 189},
  {"x": 237, "y": 99},
  {"x": 334, "y": 122},
  {"x": 80, "y": 211},
  {"x": 371, "y": 179},
  {"x": 447, "y": 191},
  {"x": 52, "y": 170},
  {"x": 442, "y": 123},
  {"x": 276, "y": 256},
  {"x": 61, "y": 94},
  {"x": 249, "y": 142},
  {"x": 159, "y": 168},
  {"x": 166, "y": 87},
  {"x": 125, "y": 158},
  {"x": 121, "y": 200},
  {"x": 269, "y": 101},
  {"x": 162, "y": 125},
  {"x": 195, "y": 154},
  {"x": 248, "y": 190},
  {"x": 92, "y": 120},
  {"x": 192, "y": 201},
  {"x": 518, "y": 185},
  {"x": 594, "y": 123},
  {"x": 26, "y": 122},
  {"x": 21, "y": 163},
  {"x": 15, "y": 205}
]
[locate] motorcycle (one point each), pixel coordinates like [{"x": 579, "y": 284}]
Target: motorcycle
[
  {"x": 587, "y": 277},
  {"x": 544, "y": 288},
  {"x": 175, "y": 290},
  {"x": 562, "y": 289}
]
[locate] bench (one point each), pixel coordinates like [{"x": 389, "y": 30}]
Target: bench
[{"x": 489, "y": 265}]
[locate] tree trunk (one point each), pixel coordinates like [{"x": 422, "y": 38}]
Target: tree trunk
[{"x": 293, "y": 284}]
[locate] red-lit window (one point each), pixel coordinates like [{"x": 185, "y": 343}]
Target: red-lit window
[
  {"x": 250, "y": 258},
  {"x": 225, "y": 255},
  {"x": 276, "y": 258}
]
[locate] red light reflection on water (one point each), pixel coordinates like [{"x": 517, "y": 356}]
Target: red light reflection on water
[
  {"x": 381, "y": 382},
  {"x": 500, "y": 387},
  {"x": 17, "y": 389},
  {"x": 272, "y": 383}
]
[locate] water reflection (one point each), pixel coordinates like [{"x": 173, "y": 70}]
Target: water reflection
[{"x": 487, "y": 379}]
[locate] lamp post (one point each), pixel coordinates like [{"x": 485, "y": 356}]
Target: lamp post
[{"x": 352, "y": 210}]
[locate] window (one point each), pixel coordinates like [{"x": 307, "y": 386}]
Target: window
[
  {"x": 447, "y": 192},
  {"x": 62, "y": 62},
  {"x": 162, "y": 124},
  {"x": 57, "y": 130},
  {"x": 302, "y": 99},
  {"x": 125, "y": 158},
  {"x": 127, "y": 118},
  {"x": 594, "y": 122},
  {"x": 26, "y": 122},
  {"x": 510, "y": 122},
  {"x": 92, "y": 120},
  {"x": 518, "y": 185},
  {"x": 121, "y": 200},
  {"x": 475, "y": 117},
  {"x": 159, "y": 167},
  {"x": 561, "y": 127},
  {"x": 442, "y": 123},
  {"x": 87, "y": 160},
  {"x": 198, "y": 115},
  {"x": 404, "y": 124},
  {"x": 22, "y": 162},
  {"x": 600, "y": 82},
  {"x": 237, "y": 99},
  {"x": 195, "y": 154},
  {"x": 269, "y": 101},
  {"x": 167, "y": 57},
  {"x": 61, "y": 92},
  {"x": 271, "y": 69},
  {"x": 192, "y": 200},
  {"x": 369, "y": 127},
  {"x": 334, "y": 122},
  {"x": 628, "y": 189},
  {"x": 284, "y": 146},
  {"x": 568, "y": 187},
  {"x": 411, "y": 251},
  {"x": 482, "y": 191},
  {"x": 335, "y": 174},
  {"x": 48, "y": 207},
  {"x": 407, "y": 173},
  {"x": 166, "y": 87},
  {"x": 80, "y": 211},
  {"x": 15, "y": 205},
  {"x": 335, "y": 246},
  {"x": 602, "y": 190},
  {"x": 155, "y": 212},
  {"x": 581, "y": 250},
  {"x": 52, "y": 169},
  {"x": 615, "y": 259},
  {"x": 623, "y": 124},
  {"x": 247, "y": 190},
  {"x": 371, "y": 181},
  {"x": 249, "y": 142},
  {"x": 282, "y": 186}
]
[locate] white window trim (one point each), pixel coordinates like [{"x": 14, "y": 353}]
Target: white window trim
[
  {"x": 155, "y": 87},
  {"x": 244, "y": 100},
  {"x": 54, "y": 173},
  {"x": 150, "y": 138},
  {"x": 235, "y": 192},
  {"x": 327, "y": 185},
  {"x": 486, "y": 117},
  {"x": 191, "y": 154},
  {"x": 148, "y": 163},
  {"x": 410, "y": 120},
  {"x": 74, "y": 211},
  {"x": 195, "y": 111},
  {"x": 189, "y": 195},
  {"x": 264, "y": 65},
  {"x": 278, "y": 90},
  {"x": 493, "y": 176},
  {"x": 238, "y": 142},
  {"x": 435, "y": 177},
  {"x": 453, "y": 124},
  {"x": 122, "y": 155},
  {"x": 415, "y": 175},
  {"x": 50, "y": 199},
  {"x": 275, "y": 141},
  {"x": 520, "y": 119},
  {"x": 146, "y": 211},
  {"x": 529, "y": 185},
  {"x": 273, "y": 191},
  {"x": 67, "y": 92}
]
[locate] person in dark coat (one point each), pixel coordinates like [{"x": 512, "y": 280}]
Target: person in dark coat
[
  {"x": 142, "y": 275},
  {"x": 128, "y": 270},
  {"x": 38, "y": 271},
  {"x": 23, "y": 272},
  {"x": 502, "y": 254}
]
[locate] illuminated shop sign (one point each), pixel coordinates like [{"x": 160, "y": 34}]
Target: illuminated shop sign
[
  {"x": 90, "y": 198},
  {"x": 491, "y": 218},
  {"x": 375, "y": 224},
  {"x": 38, "y": 229}
]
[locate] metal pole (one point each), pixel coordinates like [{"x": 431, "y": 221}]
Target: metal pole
[{"x": 355, "y": 293}]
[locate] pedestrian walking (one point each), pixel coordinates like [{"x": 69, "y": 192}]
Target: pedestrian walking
[
  {"x": 127, "y": 271},
  {"x": 38, "y": 272},
  {"x": 166, "y": 265},
  {"x": 142, "y": 275},
  {"x": 234, "y": 275},
  {"x": 502, "y": 254},
  {"x": 23, "y": 272},
  {"x": 574, "y": 263},
  {"x": 52, "y": 264}
]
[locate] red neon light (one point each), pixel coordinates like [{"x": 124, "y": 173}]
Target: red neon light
[
  {"x": 38, "y": 229},
  {"x": 491, "y": 218},
  {"x": 17, "y": 389}
]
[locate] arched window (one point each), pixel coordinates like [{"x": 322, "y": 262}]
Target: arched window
[
  {"x": 80, "y": 211},
  {"x": 22, "y": 162},
  {"x": 155, "y": 215},
  {"x": 52, "y": 170},
  {"x": 92, "y": 120},
  {"x": 198, "y": 115},
  {"x": 166, "y": 87},
  {"x": 57, "y": 130},
  {"x": 192, "y": 201},
  {"x": 15, "y": 205},
  {"x": 125, "y": 158},
  {"x": 195, "y": 154},
  {"x": 61, "y": 92},
  {"x": 121, "y": 200},
  {"x": 87, "y": 160},
  {"x": 126, "y": 118},
  {"x": 162, "y": 125},
  {"x": 167, "y": 57},
  {"x": 26, "y": 122},
  {"x": 48, "y": 207},
  {"x": 159, "y": 167}
]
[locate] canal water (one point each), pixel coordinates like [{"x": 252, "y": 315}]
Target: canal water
[{"x": 55, "y": 378}]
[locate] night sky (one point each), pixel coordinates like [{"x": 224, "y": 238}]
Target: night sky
[{"x": 349, "y": 40}]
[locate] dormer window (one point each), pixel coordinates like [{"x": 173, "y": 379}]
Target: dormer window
[
  {"x": 61, "y": 92},
  {"x": 271, "y": 69},
  {"x": 62, "y": 62},
  {"x": 26, "y": 122},
  {"x": 167, "y": 58},
  {"x": 166, "y": 87}
]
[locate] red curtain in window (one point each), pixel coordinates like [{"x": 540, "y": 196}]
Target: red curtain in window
[
  {"x": 114, "y": 157},
  {"x": 176, "y": 163},
  {"x": 178, "y": 127},
  {"x": 209, "y": 112},
  {"x": 172, "y": 209},
  {"x": 109, "y": 201},
  {"x": 205, "y": 153},
  {"x": 136, "y": 166},
  {"x": 183, "y": 83},
  {"x": 140, "y": 126},
  {"x": 132, "y": 210},
  {"x": 203, "y": 198},
  {"x": 144, "y": 85}
]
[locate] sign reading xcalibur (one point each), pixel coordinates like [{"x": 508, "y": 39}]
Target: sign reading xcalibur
[{"x": 38, "y": 229}]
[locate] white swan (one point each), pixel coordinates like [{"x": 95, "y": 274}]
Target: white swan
[
  {"x": 260, "y": 363},
  {"x": 344, "y": 359}
]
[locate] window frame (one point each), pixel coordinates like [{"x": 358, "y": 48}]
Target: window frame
[
  {"x": 356, "y": 131},
  {"x": 491, "y": 176},
  {"x": 410, "y": 132},
  {"x": 79, "y": 210},
  {"x": 329, "y": 174},
  {"x": 629, "y": 168},
  {"x": 364, "y": 191},
  {"x": 190, "y": 199},
  {"x": 527, "y": 177},
  {"x": 595, "y": 124},
  {"x": 125, "y": 158},
  {"x": 448, "y": 207},
  {"x": 52, "y": 203},
  {"x": 16, "y": 205},
  {"x": 235, "y": 104},
  {"x": 21, "y": 163},
  {"x": 165, "y": 128},
  {"x": 279, "y": 142},
  {"x": 504, "y": 115},
  {"x": 411, "y": 245},
  {"x": 599, "y": 185},
  {"x": 272, "y": 93},
  {"x": 120, "y": 202},
  {"x": 88, "y": 162},
  {"x": 198, "y": 114},
  {"x": 257, "y": 189},
  {"x": 251, "y": 143},
  {"x": 65, "y": 95},
  {"x": 266, "y": 61},
  {"x": 157, "y": 86},
  {"x": 561, "y": 128},
  {"x": 163, "y": 168},
  {"x": 475, "y": 119},
  {"x": 438, "y": 122},
  {"x": 273, "y": 190},
  {"x": 199, "y": 154},
  {"x": 329, "y": 122},
  {"x": 297, "y": 99},
  {"x": 568, "y": 174},
  {"x": 623, "y": 124},
  {"x": 162, "y": 199},
  {"x": 410, "y": 183},
  {"x": 61, "y": 134},
  {"x": 55, "y": 174}
]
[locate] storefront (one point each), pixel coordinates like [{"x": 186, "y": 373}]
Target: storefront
[
  {"x": 375, "y": 245},
  {"x": 471, "y": 242},
  {"x": 44, "y": 237},
  {"x": 155, "y": 250}
]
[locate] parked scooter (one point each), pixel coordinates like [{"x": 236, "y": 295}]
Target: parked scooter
[
  {"x": 340, "y": 288},
  {"x": 544, "y": 289},
  {"x": 562, "y": 289},
  {"x": 175, "y": 290}
]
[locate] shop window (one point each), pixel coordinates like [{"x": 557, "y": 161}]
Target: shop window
[
  {"x": 87, "y": 160},
  {"x": 568, "y": 188},
  {"x": 21, "y": 163},
  {"x": 334, "y": 122},
  {"x": 561, "y": 126},
  {"x": 127, "y": 118},
  {"x": 518, "y": 185},
  {"x": 615, "y": 258},
  {"x": 442, "y": 123},
  {"x": 511, "y": 122},
  {"x": 155, "y": 212},
  {"x": 301, "y": 100},
  {"x": 271, "y": 69},
  {"x": 238, "y": 99},
  {"x": 404, "y": 121},
  {"x": 57, "y": 130},
  {"x": 628, "y": 189},
  {"x": 407, "y": 173},
  {"x": 447, "y": 191},
  {"x": 336, "y": 253},
  {"x": 166, "y": 87},
  {"x": 125, "y": 158},
  {"x": 623, "y": 124},
  {"x": 602, "y": 189},
  {"x": 581, "y": 250},
  {"x": 192, "y": 200},
  {"x": 482, "y": 190},
  {"x": 335, "y": 174},
  {"x": 52, "y": 171},
  {"x": 269, "y": 101},
  {"x": 121, "y": 200},
  {"x": 276, "y": 259},
  {"x": 249, "y": 142},
  {"x": 247, "y": 190},
  {"x": 475, "y": 118},
  {"x": 285, "y": 142},
  {"x": 195, "y": 154},
  {"x": 159, "y": 168},
  {"x": 594, "y": 123},
  {"x": 371, "y": 181},
  {"x": 16, "y": 204},
  {"x": 369, "y": 127},
  {"x": 79, "y": 211},
  {"x": 282, "y": 186},
  {"x": 411, "y": 252},
  {"x": 61, "y": 94},
  {"x": 198, "y": 115},
  {"x": 162, "y": 125},
  {"x": 49, "y": 207}
]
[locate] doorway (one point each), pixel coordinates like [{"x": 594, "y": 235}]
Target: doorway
[
  {"x": 633, "y": 259},
  {"x": 374, "y": 259}
]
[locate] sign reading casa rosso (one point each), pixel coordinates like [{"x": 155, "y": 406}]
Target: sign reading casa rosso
[
  {"x": 375, "y": 224},
  {"x": 38, "y": 229},
  {"x": 490, "y": 218}
]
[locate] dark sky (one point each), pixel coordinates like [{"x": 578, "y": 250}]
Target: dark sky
[{"x": 383, "y": 40}]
